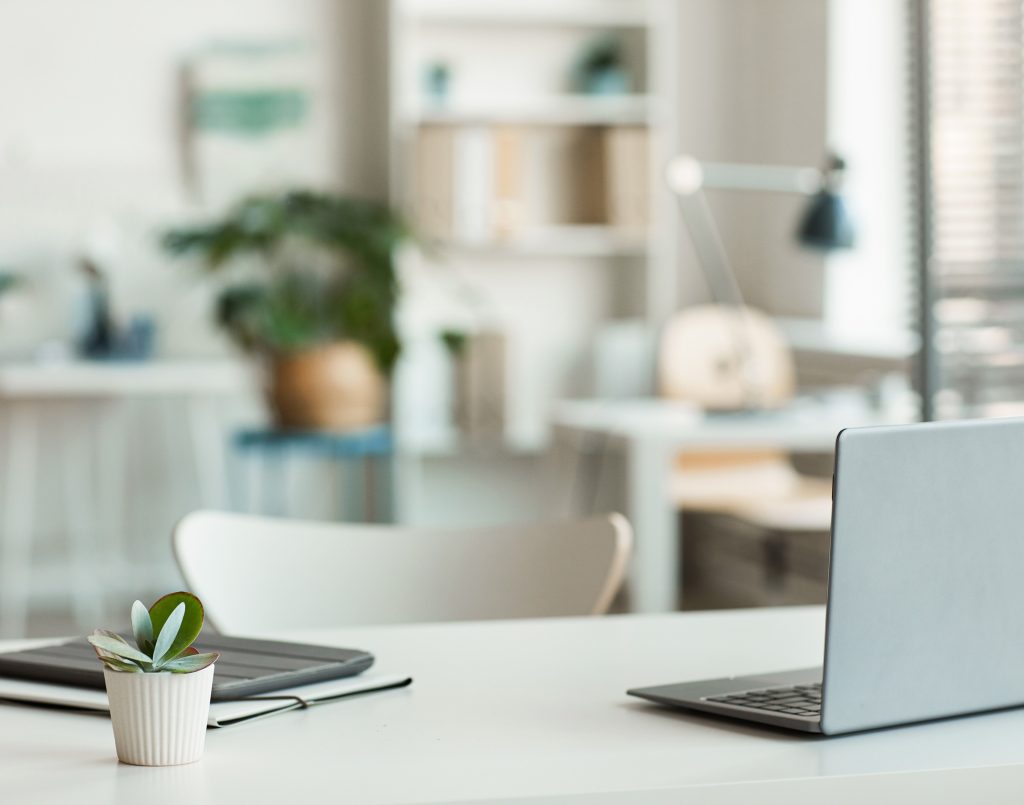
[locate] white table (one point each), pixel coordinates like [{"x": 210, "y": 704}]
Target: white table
[
  {"x": 93, "y": 449},
  {"x": 654, "y": 432},
  {"x": 521, "y": 709}
]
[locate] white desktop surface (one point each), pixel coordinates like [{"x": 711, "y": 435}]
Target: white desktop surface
[
  {"x": 104, "y": 379},
  {"x": 520, "y": 709}
]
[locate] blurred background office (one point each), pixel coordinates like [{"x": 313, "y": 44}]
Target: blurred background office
[{"x": 448, "y": 263}]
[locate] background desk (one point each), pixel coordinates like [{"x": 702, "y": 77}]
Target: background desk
[
  {"x": 87, "y": 398},
  {"x": 654, "y": 432},
  {"x": 509, "y": 709}
]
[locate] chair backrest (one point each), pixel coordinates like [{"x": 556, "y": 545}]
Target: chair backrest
[{"x": 257, "y": 574}]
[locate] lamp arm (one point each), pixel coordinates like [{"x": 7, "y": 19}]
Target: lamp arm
[
  {"x": 710, "y": 248},
  {"x": 722, "y": 283},
  {"x": 686, "y": 175}
]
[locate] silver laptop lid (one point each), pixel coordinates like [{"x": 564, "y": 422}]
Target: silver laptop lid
[{"x": 926, "y": 587}]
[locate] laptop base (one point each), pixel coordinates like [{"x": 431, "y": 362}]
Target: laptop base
[{"x": 697, "y": 696}]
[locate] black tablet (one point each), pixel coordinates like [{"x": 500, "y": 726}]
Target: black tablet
[{"x": 246, "y": 666}]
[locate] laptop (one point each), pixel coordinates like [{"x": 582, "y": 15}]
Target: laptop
[{"x": 925, "y": 591}]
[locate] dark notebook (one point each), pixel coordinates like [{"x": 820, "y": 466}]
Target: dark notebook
[{"x": 246, "y": 667}]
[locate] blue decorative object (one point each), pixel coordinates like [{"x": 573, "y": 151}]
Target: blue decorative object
[
  {"x": 437, "y": 79},
  {"x": 138, "y": 340},
  {"x": 371, "y": 446},
  {"x": 602, "y": 69},
  {"x": 607, "y": 81},
  {"x": 827, "y": 223}
]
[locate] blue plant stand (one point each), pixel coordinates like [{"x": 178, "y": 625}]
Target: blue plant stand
[{"x": 268, "y": 451}]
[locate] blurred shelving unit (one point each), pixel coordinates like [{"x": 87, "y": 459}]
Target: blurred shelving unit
[{"x": 542, "y": 211}]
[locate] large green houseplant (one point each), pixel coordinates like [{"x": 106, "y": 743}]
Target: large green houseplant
[{"x": 310, "y": 286}]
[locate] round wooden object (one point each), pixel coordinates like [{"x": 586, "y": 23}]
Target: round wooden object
[
  {"x": 333, "y": 387},
  {"x": 725, "y": 358}
]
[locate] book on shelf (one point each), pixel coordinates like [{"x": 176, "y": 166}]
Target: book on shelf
[
  {"x": 470, "y": 181},
  {"x": 473, "y": 199},
  {"x": 480, "y": 385},
  {"x": 434, "y": 175},
  {"x": 508, "y": 166},
  {"x": 627, "y": 193}
]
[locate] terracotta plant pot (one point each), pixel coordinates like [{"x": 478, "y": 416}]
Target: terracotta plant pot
[{"x": 334, "y": 387}]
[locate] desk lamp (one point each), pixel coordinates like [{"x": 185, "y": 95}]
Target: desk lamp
[{"x": 727, "y": 355}]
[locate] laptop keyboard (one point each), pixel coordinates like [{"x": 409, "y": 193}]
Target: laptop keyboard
[{"x": 797, "y": 700}]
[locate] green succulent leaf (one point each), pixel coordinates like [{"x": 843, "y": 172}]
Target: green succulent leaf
[
  {"x": 191, "y": 624},
  {"x": 164, "y": 635},
  {"x": 117, "y": 647},
  {"x": 103, "y": 654},
  {"x": 126, "y": 666},
  {"x": 191, "y": 663},
  {"x": 117, "y": 663},
  {"x": 168, "y": 634},
  {"x": 111, "y": 635},
  {"x": 142, "y": 627}
]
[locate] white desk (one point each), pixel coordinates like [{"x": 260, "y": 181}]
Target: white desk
[
  {"x": 655, "y": 431},
  {"x": 517, "y": 709},
  {"x": 93, "y": 452}
]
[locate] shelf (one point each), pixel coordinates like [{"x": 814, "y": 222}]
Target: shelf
[
  {"x": 556, "y": 241},
  {"x": 579, "y": 110},
  {"x": 582, "y": 13}
]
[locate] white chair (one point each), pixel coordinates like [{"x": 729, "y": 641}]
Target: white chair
[{"x": 258, "y": 574}]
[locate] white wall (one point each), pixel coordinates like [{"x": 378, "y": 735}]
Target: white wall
[
  {"x": 782, "y": 81},
  {"x": 753, "y": 80},
  {"x": 868, "y": 294},
  {"x": 91, "y": 126}
]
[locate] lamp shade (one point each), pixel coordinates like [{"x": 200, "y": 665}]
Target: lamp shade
[{"x": 827, "y": 223}]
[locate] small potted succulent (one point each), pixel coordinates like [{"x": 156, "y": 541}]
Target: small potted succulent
[{"x": 159, "y": 689}]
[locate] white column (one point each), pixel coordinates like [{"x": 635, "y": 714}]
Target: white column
[{"x": 654, "y": 579}]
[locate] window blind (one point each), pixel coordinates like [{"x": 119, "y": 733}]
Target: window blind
[{"x": 973, "y": 268}]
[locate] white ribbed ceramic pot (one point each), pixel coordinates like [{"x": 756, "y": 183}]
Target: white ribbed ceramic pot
[{"x": 159, "y": 719}]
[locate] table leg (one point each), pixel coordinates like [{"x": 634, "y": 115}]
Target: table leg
[
  {"x": 274, "y": 481},
  {"x": 111, "y": 479},
  {"x": 561, "y": 467},
  {"x": 655, "y": 572},
  {"x": 353, "y": 491},
  {"x": 19, "y": 513},
  {"x": 208, "y": 452},
  {"x": 369, "y": 491},
  {"x": 89, "y": 572},
  {"x": 407, "y": 487}
]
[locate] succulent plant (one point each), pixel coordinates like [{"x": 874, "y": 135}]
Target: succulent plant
[{"x": 164, "y": 634}]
